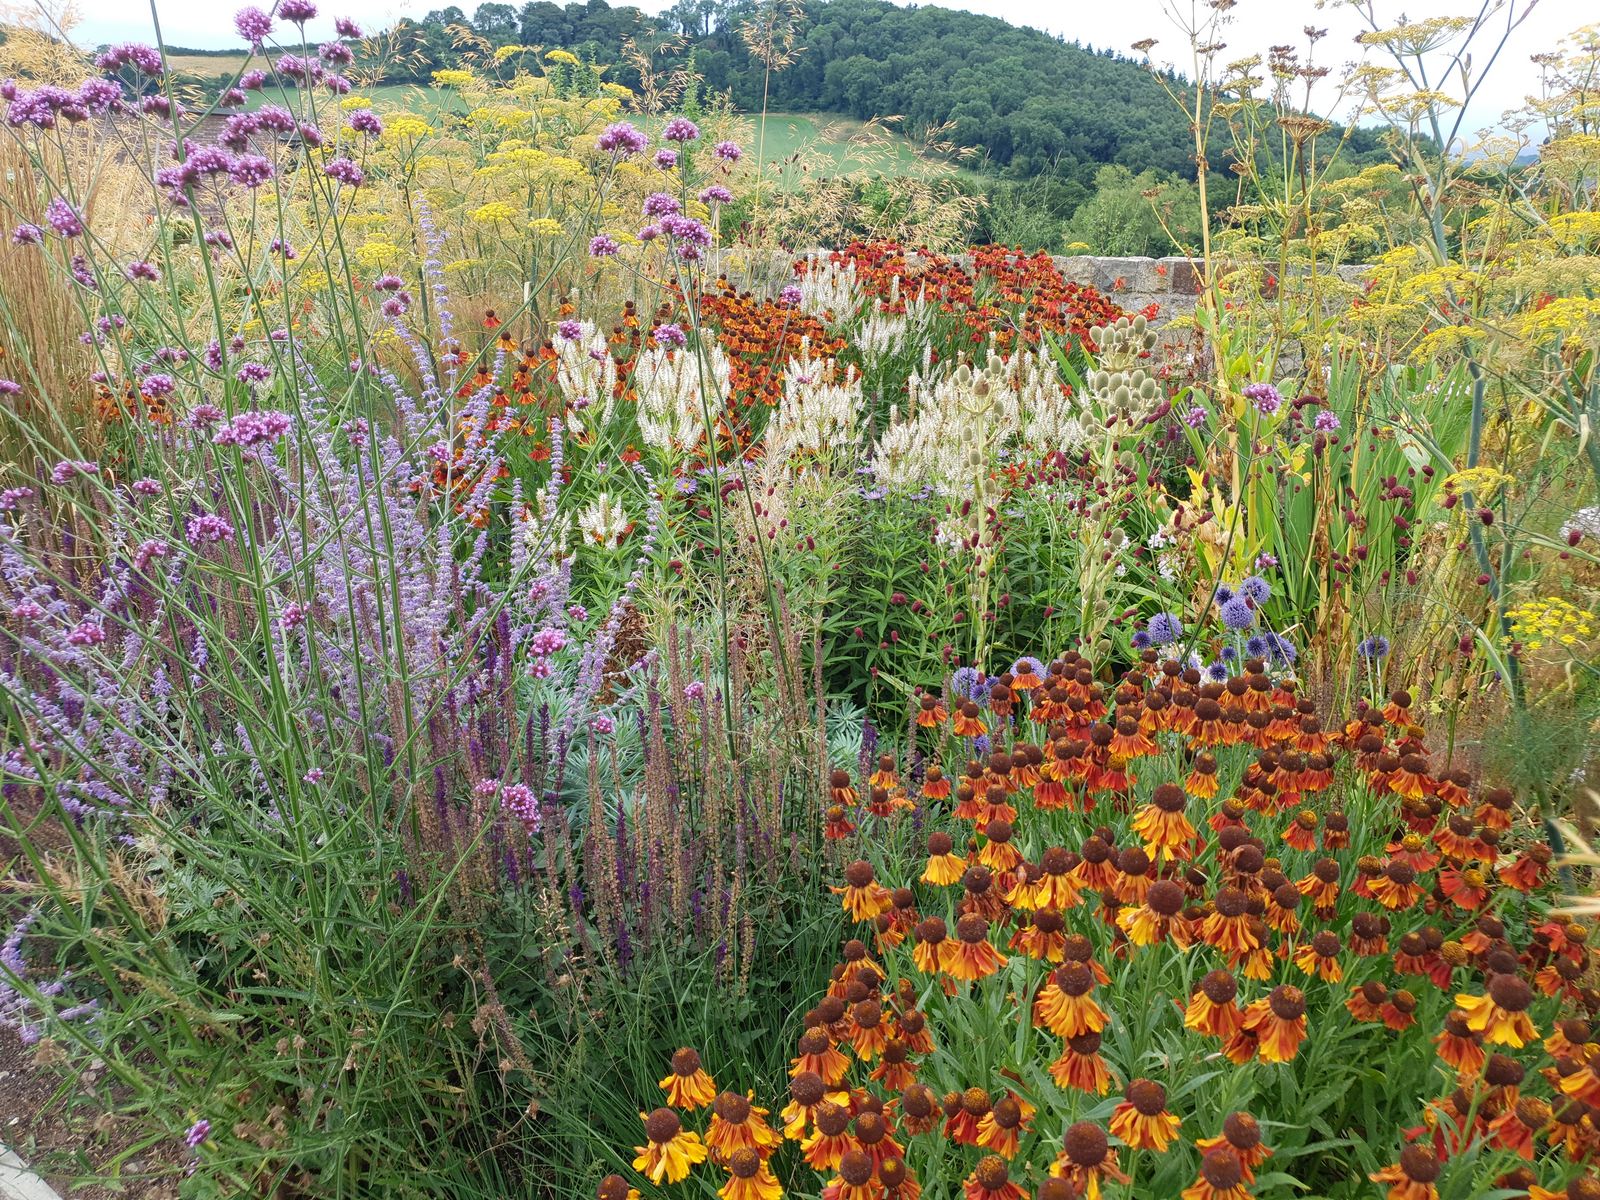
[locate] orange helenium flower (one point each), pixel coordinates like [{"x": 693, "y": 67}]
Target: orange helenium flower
[
  {"x": 670, "y": 1151},
  {"x": 1064, "y": 1006},
  {"x": 1501, "y": 1014},
  {"x": 689, "y": 1086},
  {"x": 1413, "y": 1177},
  {"x": 736, "y": 1124},
  {"x": 1142, "y": 1120},
  {"x": 749, "y": 1178},
  {"x": 1221, "y": 1178},
  {"x": 862, "y": 897},
  {"x": 1279, "y": 1023},
  {"x": 990, "y": 1180}
]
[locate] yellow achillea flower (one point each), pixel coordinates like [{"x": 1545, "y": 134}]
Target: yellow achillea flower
[
  {"x": 375, "y": 254},
  {"x": 452, "y": 78},
  {"x": 1482, "y": 482},
  {"x": 561, "y": 56}
]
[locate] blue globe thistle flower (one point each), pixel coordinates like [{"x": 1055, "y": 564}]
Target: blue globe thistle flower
[
  {"x": 1256, "y": 589},
  {"x": 1280, "y": 648},
  {"x": 1222, "y": 595},
  {"x": 981, "y": 746},
  {"x": 1165, "y": 628},
  {"x": 1374, "y": 648},
  {"x": 1229, "y": 654},
  {"x": 1141, "y": 639},
  {"x": 1033, "y": 665},
  {"x": 1217, "y": 672},
  {"x": 1237, "y": 614},
  {"x": 966, "y": 683},
  {"x": 1257, "y": 647}
]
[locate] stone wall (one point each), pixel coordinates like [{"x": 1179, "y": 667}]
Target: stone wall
[{"x": 1172, "y": 284}]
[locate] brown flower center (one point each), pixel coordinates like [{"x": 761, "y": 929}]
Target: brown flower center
[
  {"x": 1085, "y": 1144},
  {"x": 917, "y": 1101},
  {"x": 1242, "y": 1131},
  {"x": 991, "y": 1173},
  {"x": 1221, "y": 1169},
  {"x": 1219, "y": 986},
  {"x": 1510, "y": 992},
  {"x": 1165, "y": 898},
  {"x": 1287, "y": 1002},
  {"x": 806, "y": 1088},
  {"x": 1147, "y": 1096},
  {"x": 855, "y": 1168},
  {"x": 1419, "y": 1164},
  {"x": 662, "y": 1125},
  {"x": 744, "y": 1163}
]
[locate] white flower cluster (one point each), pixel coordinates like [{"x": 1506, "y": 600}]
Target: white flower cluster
[
  {"x": 669, "y": 383},
  {"x": 587, "y": 377},
  {"x": 817, "y": 414},
  {"x": 544, "y": 529},
  {"x": 829, "y": 288},
  {"x": 1166, "y": 565},
  {"x": 958, "y": 424},
  {"x": 605, "y": 522},
  {"x": 883, "y": 334}
]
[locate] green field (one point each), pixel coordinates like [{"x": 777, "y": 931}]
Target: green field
[
  {"x": 205, "y": 66},
  {"x": 827, "y": 141},
  {"x": 796, "y": 144}
]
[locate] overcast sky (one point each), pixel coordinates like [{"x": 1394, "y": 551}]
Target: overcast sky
[{"x": 1255, "y": 25}]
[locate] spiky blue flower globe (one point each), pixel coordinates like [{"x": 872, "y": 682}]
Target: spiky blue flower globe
[
  {"x": 1165, "y": 628},
  {"x": 1256, "y": 589},
  {"x": 1237, "y": 614}
]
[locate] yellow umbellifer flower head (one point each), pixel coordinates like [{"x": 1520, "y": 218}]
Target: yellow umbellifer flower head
[
  {"x": 1550, "y": 621},
  {"x": 495, "y": 210},
  {"x": 404, "y": 125},
  {"x": 545, "y": 227},
  {"x": 376, "y": 254},
  {"x": 453, "y": 78}
]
